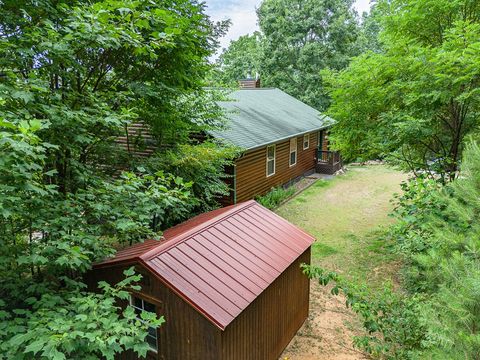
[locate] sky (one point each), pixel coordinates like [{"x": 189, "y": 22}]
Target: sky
[{"x": 243, "y": 16}]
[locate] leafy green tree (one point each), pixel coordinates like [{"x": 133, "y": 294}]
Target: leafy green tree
[
  {"x": 98, "y": 66},
  {"x": 441, "y": 253},
  {"x": 391, "y": 320},
  {"x": 80, "y": 324},
  {"x": 369, "y": 30},
  {"x": 49, "y": 239},
  {"x": 301, "y": 38},
  {"x": 73, "y": 74},
  {"x": 415, "y": 101},
  {"x": 242, "y": 58}
]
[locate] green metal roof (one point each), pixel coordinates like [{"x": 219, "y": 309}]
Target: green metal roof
[{"x": 262, "y": 116}]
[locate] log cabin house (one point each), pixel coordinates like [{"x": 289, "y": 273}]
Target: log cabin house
[
  {"x": 283, "y": 140},
  {"x": 228, "y": 283}
]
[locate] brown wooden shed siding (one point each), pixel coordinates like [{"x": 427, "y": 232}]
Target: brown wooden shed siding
[
  {"x": 260, "y": 332},
  {"x": 186, "y": 334},
  {"x": 265, "y": 328},
  {"x": 251, "y": 176}
]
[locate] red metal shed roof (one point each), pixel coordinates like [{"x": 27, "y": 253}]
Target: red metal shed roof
[
  {"x": 133, "y": 253},
  {"x": 221, "y": 261}
]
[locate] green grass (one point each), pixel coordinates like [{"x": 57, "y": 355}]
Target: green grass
[
  {"x": 347, "y": 216},
  {"x": 320, "y": 250}
]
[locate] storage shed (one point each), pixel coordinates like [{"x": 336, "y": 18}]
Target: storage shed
[{"x": 228, "y": 282}]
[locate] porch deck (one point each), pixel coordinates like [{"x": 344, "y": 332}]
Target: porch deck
[{"x": 328, "y": 162}]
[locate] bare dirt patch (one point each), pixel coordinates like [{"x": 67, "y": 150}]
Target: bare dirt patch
[{"x": 328, "y": 331}]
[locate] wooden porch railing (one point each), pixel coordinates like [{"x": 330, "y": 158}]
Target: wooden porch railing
[{"x": 328, "y": 162}]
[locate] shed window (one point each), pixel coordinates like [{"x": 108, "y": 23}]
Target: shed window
[
  {"x": 293, "y": 151},
  {"x": 270, "y": 160},
  {"x": 306, "y": 141},
  {"x": 140, "y": 305}
]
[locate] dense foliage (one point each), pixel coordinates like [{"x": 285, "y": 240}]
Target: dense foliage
[
  {"x": 391, "y": 322},
  {"x": 437, "y": 236},
  {"x": 204, "y": 166},
  {"x": 303, "y": 38},
  {"x": 411, "y": 97},
  {"x": 414, "y": 101},
  {"x": 73, "y": 75}
]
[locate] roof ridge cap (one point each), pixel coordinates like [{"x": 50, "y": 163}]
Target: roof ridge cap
[{"x": 177, "y": 239}]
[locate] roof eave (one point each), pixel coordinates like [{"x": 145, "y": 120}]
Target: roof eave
[
  {"x": 286, "y": 137},
  {"x": 140, "y": 261}
]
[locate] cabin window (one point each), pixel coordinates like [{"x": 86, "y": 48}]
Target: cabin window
[
  {"x": 270, "y": 160},
  {"x": 306, "y": 141},
  {"x": 140, "y": 305},
  {"x": 293, "y": 151}
]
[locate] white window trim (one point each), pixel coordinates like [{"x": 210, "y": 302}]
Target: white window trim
[
  {"x": 132, "y": 304},
  {"x": 295, "y": 151},
  {"x": 274, "y": 160},
  {"x": 308, "y": 141}
]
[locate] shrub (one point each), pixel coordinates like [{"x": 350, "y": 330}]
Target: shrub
[
  {"x": 275, "y": 197},
  {"x": 203, "y": 165},
  {"x": 391, "y": 320}
]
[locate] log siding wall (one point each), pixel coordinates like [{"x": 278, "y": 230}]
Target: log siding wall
[{"x": 251, "y": 174}]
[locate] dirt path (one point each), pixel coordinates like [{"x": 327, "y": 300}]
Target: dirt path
[
  {"x": 327, "y": 333},
  {"x": 342, "y": 214}
]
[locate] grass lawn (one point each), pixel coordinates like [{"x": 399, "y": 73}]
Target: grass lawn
[{"x": 346, "y": 215}]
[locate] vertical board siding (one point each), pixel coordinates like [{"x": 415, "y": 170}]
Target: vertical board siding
[
  {"x": 267, "y": 325},
  {"x": 260, "y": 332},
  {"x": 251, "y": 175},
  {"x": 186, "y": 334}
]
